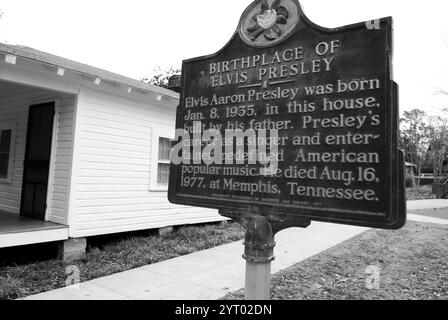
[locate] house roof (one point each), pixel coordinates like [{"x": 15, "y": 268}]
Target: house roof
[{"x": 50, "y": 59}]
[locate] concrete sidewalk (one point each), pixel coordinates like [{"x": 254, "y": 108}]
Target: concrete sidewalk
[
  {"x": 212, "y": 273},
  {"x": 435, "y": 204},
  {"x": 207, "y": 274}
]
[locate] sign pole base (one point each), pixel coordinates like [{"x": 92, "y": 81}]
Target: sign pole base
[
  {"x": 259, "y": 252},
  {"x": 258, "y": 279}
]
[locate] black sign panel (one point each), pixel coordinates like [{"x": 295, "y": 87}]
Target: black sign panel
[{"x": 292, "y": 118}]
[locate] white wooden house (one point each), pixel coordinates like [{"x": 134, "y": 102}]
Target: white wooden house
[{"x": 83, "y": 151}]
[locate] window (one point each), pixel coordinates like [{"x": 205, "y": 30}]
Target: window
[
  {"x": 163, "y": 164},
  {"x": 161, "y": 146},
  {"x": 5, "y": 149},
  {"x": 6, "y": 152}
]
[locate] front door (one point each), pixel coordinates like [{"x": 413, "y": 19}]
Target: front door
[{"x": 37, "y": 160}]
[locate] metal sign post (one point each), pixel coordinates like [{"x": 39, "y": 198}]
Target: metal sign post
[
  {"x": 259, "y": 252},
  {"x": 259, "y": 246}
]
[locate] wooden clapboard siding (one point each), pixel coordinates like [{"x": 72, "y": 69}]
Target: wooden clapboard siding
[
  {"x": 114, "y": 164},
  {"x": 62, "y": 160},
  {"x": 149, "y": 224},
  {"x": 14, "y": 104}
]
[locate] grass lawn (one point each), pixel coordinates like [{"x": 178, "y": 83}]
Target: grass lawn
[
  {"x": 413, "y": 264},
  {"x": 111, "y": 256},
  {"x": 420, "y": 193}
]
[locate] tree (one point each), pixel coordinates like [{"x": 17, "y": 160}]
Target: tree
[
  {"x": 160, "y": 77},
  {"x": 438, "y": 144},
  {"x": 414, "y": 138}
]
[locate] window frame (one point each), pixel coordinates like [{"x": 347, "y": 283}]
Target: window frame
[
  {"x": 9, "y": 126},
  {"x": 162, "y": 161},
  {"x": 158, "y": 132}
]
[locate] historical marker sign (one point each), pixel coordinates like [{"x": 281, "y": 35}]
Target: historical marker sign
[{"x": 292, "y": 118}]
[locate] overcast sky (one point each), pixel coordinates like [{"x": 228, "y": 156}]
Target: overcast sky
[{"x": 132, "y": 37}]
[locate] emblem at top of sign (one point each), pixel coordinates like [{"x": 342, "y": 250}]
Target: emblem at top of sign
[{"x": 267, "y": 22}]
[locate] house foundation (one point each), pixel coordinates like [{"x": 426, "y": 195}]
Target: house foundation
[
  {"x": 164, "y": 231},
  {"x": 72, "y": 249}
]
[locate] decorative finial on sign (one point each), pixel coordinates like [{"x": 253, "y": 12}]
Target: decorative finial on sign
[{"x": 269, "y": 21}]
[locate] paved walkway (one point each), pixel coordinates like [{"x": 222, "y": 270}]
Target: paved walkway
[
  {"x": 207, "y": 274},
  {"x": 436, "y": 204},
  {"x": 419, "y": 218},
  {"x": 212, "y": 273}
]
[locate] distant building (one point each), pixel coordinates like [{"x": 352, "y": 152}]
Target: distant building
[{"x": 83, "y": 151}]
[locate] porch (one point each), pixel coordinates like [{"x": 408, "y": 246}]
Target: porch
[
  {"x": 35, "y": 159},
  {"x": 16, "y": 230}
]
